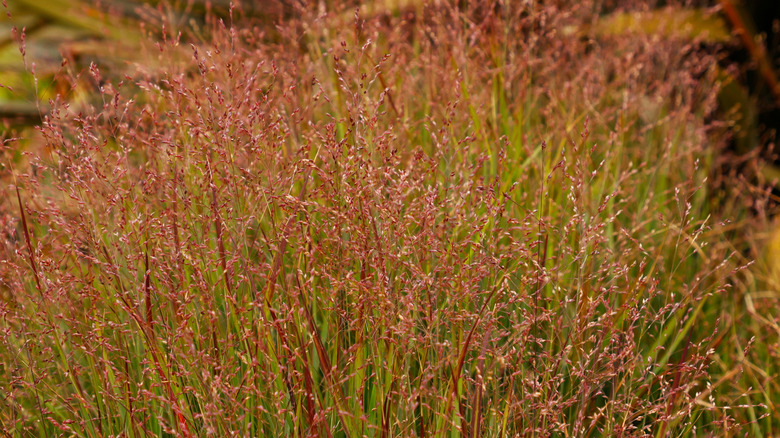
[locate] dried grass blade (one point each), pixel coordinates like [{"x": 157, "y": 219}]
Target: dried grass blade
[
  {"x": 147, "y": 290},
  {"x": 322, "y": 354},
  {"x": 28, "y": 240}
]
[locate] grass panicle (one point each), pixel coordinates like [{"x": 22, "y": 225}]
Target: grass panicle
[{"x": 431, "y": 219}]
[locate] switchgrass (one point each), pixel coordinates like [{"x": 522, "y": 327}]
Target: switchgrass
[{"x": 423, "y": 221}]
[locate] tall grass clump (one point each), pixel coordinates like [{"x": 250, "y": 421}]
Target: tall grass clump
[{"x": 426, "y": 221}]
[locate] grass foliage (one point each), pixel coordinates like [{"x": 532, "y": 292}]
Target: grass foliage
[{"x": 433, "y": 220}]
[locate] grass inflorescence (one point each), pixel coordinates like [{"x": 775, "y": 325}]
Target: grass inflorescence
[{"x": 425, "y": 221}]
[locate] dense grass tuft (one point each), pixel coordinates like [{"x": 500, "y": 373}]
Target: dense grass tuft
[{"x": 423, "y": 221}]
